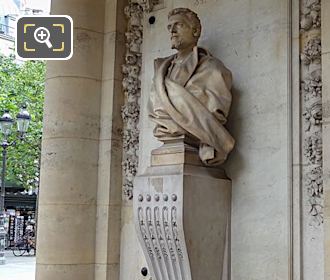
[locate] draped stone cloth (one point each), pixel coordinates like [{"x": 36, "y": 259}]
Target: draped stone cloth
[{"x": 193, "y": 98}]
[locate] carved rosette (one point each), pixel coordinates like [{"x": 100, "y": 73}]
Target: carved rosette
[
  {"x": 311, "y": 93},
  {"x": 132, "y": 90}
]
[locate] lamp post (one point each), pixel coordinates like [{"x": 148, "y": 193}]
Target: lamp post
[{"x": 6, "y": 122}]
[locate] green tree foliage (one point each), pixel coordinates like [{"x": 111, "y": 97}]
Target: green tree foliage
[{"x": 23, "y": 83}]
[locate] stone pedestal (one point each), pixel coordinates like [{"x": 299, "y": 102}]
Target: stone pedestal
[{"x": 182, "y": 218}]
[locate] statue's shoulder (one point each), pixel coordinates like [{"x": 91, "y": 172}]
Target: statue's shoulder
[
  {"x": 208, "y": 61},
  {"x": 160, "y": 60}
]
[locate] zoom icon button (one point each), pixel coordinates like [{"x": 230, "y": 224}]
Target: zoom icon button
[{"x": 44, "y": 37}]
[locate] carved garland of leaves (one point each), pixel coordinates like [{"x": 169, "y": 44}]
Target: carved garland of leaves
[
  {"x": 311, "y": 15},
  {"x": 311, "y": 90},
  {"x": 132, "y": 90}
]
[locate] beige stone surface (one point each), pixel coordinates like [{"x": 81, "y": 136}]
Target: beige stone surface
[
  {"x": 109, "y": 189},
  {"x": 67, "y": 238},
  {"x": 77, "y": 114},
  {"x": 115, "y": 19},
  {"x": 86, "y": 14},
  {"x": 109, "y": 169},
  {"x": 110, "y": 119},
  {"x": 65, "y": 271},
  {"x": 106, "y": 271},
  {"x": 65, "y": 180},
  {"x": 113, "y": 52},
  {"x": 107, "y": 244},
  {"x": 87, "y": 57}
]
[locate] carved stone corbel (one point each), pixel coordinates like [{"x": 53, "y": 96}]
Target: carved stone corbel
[{"x": 182, "y": 218}]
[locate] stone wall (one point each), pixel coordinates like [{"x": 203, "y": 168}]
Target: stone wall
[{"x": 252, "y": 39}]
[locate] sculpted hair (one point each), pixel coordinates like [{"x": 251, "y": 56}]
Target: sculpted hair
[{"x": 191, "y": 16}]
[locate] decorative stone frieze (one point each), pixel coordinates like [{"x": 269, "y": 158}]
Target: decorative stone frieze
[
  {"x": 312, "y": 52},
  {"x": 314, "y": 184},
  {"x": 313, "y": 148},
  {"x": 311, "y": 93},
  {"x": 310, "y": 15},
  {"x": 311, "y": 85},
  {"x": 132, "y": 90},
  {"x": 134, "y": 12},
  {"x": 147, "y": 5}
]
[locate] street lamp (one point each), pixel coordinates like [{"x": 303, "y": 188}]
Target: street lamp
[{"x": 6, "y": 123}]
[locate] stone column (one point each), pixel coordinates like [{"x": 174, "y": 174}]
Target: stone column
[{"x": 70, "y": 149}]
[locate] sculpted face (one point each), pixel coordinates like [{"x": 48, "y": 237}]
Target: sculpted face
[{"x": 182, "y": 33}]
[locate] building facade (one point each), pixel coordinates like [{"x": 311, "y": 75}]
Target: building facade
[{"x": 97, "y": 136}]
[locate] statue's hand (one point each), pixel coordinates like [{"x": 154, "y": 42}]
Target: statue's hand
[{"x": 206, "y": 152}]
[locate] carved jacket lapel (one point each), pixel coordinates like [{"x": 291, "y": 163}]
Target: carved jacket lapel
[{"x": 186, "y": 70}]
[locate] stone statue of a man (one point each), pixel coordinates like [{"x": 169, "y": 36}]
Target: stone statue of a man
[{"x": 191, "y": 97}]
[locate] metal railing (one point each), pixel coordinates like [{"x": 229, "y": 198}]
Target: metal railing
[{"x": 7, "y": 30}]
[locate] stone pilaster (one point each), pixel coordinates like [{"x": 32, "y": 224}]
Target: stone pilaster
[{"x": 109, "y": 194}]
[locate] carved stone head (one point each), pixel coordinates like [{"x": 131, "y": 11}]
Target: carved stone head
[{"x": 184, "y": 27}]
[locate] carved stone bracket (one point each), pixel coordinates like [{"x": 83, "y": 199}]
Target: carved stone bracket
[
  {"x": 159, "y": 225},
  {"x": 174, "y": 225}
]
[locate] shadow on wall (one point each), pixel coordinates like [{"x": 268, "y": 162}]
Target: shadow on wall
[{"x": 235, "y": 163}]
